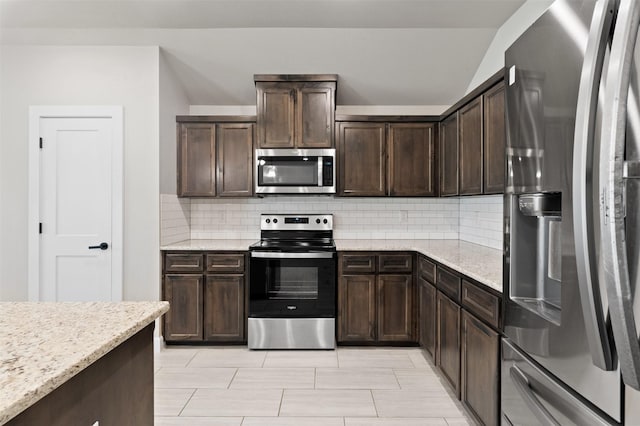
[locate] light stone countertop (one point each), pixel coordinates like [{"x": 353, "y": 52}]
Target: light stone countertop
[
  {"x": 481, "y": 263},
  {"x": 43, "y": 345},
  {"x": 223, "y": 244}
]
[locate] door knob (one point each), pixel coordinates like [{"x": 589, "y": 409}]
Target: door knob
[{"x": 102, "y": 246}]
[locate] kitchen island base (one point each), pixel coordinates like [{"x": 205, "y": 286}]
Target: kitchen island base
[{"x": 117, "y": 389}]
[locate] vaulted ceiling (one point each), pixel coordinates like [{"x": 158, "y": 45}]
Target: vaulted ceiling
[{"x": 386, "y": 52}]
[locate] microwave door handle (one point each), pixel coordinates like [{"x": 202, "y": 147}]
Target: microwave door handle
[
  {"x": 320, "y": 161},
  {"x": 589, "y": 288},
  {"x": 523, "y": 386},
  {"x": 614, "y": 267}
]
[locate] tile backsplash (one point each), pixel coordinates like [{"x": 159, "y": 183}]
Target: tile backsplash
[
  {"x": 481, "y": 220},
  {"x": 354, "y": 218}
]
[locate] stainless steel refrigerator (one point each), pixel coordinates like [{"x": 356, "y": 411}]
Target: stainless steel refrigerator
[{"x": 572, "y": 218}]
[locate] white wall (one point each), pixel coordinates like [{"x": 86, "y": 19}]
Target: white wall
[
  {"x": 508, "y": 33},
  {"x": 73, "y": 75},
  {"x": 173, "y": 101}
]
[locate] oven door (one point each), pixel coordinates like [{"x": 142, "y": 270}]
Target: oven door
[{"x": 292, "y": 285}]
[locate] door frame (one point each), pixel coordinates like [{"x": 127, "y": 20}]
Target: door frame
[{"x": 115, "y": 113}]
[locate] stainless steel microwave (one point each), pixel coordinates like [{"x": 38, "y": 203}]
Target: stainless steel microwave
[{"x": 295, "y": 171}]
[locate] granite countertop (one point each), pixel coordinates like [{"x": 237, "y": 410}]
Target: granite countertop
[
  {"x": 42, "y": 345},
  {"x": 230, "y": 244},
  {"x": 481, "y": 263}
]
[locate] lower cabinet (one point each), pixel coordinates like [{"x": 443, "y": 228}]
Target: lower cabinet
[
  {"x": 183, "y": 322},
  {"x": 224, "y": 308},
  {"x": 480, "y": 364},
  {"x": 376, "y": 297},
  {"x": 448, "y": 341},
  {"x": 428, "y": 316},
  {"x": 206, "y": 293}
]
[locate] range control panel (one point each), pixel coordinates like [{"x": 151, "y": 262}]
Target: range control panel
[{"x": 296, "y": 222}]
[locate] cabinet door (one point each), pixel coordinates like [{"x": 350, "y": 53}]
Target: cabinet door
[
  {"x": 275, "y": 115},
  {"x": 448, "y": 345},
  {"x": 357, "y": 308},
  {"x": 196, "y": 160},
  {"x": 470, "y": 161},
  {"x": 361, "y": 159},
  {"x": 411, "y": 159},
  {"x": 449, "y": 155},
  {"x": 183, "y": 322},
  {"x": 395, "y": 308},
  {"x": 494, "y": 140},
  {"x": 224, "y": 308},
  {"x": 428, "y": 317},
  {"x": 480, "y": 374},
  {"x": 235, "y": 159},
  {"x": 315, "y": 116}
]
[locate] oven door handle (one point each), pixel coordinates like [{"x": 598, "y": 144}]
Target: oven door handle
[{"x": 284, "y": 255}]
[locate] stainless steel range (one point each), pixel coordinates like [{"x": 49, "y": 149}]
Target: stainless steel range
[{"x": 292, "y": 292}]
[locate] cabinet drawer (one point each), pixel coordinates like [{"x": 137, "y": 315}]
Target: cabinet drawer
[
  {"x": 395, "y": 263},
  {"x": 225, "y": 262},
  {"x": 481, "y": 303},
  {"x": 449, "y": 283},
  {"x": 183, "y": 262},
  {"x": 426, "y": 269},
  {"x": 358, "y": 263}
]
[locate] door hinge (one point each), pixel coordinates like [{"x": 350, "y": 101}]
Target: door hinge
[
  {"x": 40, "y": 143},
  {"x": 40, "y": 228}
]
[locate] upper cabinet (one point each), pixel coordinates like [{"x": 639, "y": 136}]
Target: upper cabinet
[
  {"x": 196, "y": 160},
  {"x": 215, "y": 156},
  {"x": 295, "y": 111},
  {"x": 472, "y": 142},
  {"x": 494, "y": 139},
  {"x": 449, "y": 155},
  {"x": 386, "y": 158},
  {"x": 470, "y": 145}
]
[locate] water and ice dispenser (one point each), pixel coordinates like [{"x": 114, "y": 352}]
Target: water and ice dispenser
[{"x": 536, "y": 253}]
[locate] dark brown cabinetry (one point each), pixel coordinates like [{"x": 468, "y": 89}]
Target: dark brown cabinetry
[
  {"x": 206, "y": 292},
  {"x": 472, "y": 142},
  {"x": 428, "y": 306},
  {"x": 376, "y": 294},
  {"x": 449, "y": 155},
  {"x": 470, "y": 145},
  {"x": 411, "y": 159},
  {"x": 448, "y": 345},
  {"x": 362, "y": 159},
  {"x": 295, "y": 111},
  {"x": 234, "y": 159},
  {"x": 196, "y": 160},
  {"x": 480, "y": 364},
  {"x": 184, "y": 321},
  {"x": 378, "y": 159},
  {"x": 215, "y": 158},
  {"x": 494, "y": 139}
]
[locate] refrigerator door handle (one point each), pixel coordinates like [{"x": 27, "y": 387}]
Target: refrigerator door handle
[
  {"x": 614, "y": 267},
  {"x": 592, "y": 310},
  {"x": 524, "y": 388}
]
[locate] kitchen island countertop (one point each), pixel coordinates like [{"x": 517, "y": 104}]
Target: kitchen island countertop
[{"x": 43, "y": 345}]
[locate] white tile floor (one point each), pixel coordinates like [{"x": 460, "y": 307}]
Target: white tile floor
[{"x": 346, "y": 387}]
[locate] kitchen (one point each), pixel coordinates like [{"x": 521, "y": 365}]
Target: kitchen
[{"x": 477, "y": 219}]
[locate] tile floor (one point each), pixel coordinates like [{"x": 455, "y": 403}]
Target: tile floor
[{"x": 346, "y": 387}]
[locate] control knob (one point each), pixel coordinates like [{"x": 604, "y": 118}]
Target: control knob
[
  {"x": 325, "y": 221},
  {"x": 268, "y": 220},
  {"x": 317, "y": 220},
  {"x": 275, "y": 220}
]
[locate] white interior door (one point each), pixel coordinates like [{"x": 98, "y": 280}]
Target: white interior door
[{"x": 78, "y": 197}]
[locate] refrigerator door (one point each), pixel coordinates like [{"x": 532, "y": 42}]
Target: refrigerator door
[
  {"x": 619, "y": 190},
  {"x": 544, "y": 312},
  {"x": 530, "y": 397}
]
